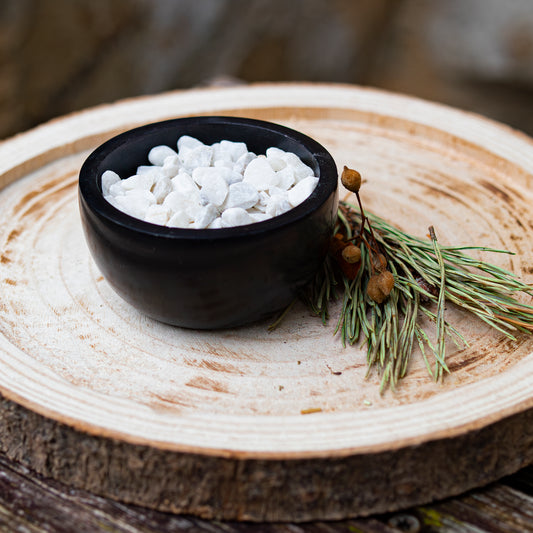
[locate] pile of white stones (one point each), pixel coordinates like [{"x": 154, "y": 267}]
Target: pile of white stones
[{"x": 218, "y": 186}]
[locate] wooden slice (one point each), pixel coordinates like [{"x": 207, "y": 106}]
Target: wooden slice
[{"x": 246, "y": 423}]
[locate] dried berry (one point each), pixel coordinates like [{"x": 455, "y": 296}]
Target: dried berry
[
  {"x": 351, "y": 179},
  {"x": 373, "y": 289},
  {"x": 385, "y": 282},
  {"x": 352, "y": 254}
]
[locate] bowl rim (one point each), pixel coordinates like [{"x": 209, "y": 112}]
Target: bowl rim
[{"x": 89, "y": 182}]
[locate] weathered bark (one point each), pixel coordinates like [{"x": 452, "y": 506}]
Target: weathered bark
[
  {"x": 31, "y": 502},
  {"x": 260, "y": 490}
]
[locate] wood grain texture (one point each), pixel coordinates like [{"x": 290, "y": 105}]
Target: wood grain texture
[{"x": 211, "y": 423}]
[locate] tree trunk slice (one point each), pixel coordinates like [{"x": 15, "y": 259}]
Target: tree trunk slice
[
  {"x": 214, "y": 423},
  {"x": 32, "y": 503}
]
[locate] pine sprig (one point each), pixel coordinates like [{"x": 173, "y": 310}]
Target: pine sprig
[
  {"x": 488, "y": 293},
  {"x": 427, "y": 277}
]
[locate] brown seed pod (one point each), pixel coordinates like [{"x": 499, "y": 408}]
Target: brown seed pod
[
  {"x": 385, "y": 282},
  {"x": 373, "y": 289},
  {"x": 351, "y": 179},
  {"x": 352, "y": 254}
]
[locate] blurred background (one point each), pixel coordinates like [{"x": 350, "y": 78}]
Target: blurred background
[{"x": 58, "y": 56}]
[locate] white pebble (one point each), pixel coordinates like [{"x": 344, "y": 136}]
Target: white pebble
[
  {"x": 180, "y": 219},
  {"x": 225, "y": 163},
  {"x": 186, "y": 143},
  {"x": 234, "y": 149},
  {"x": 156, "y": 214},
  {"x": 205, "y": 216},
  {"x": 109, "y": 178},
  {"x": 216, "y": 224},
  {"x": 274, "y": 152},
  {"x": 286, "y": 178},
  {"x": 135, "y": 203},
  {"x": 277, "y": 205},
  {"x": 116, "y": 189},
  {"x": 276, "y": 163},
  {"x": 204, "y": 175},
  {"x": 260, "y": 174},
  {"x": 301, "y": 170},
  {"x": 217, "y": 186},
  {"x": 273, "y": 191},
  {"x": 162, "y": 188},
  {"x": 158, "y": 154},
  {"x": 185, "y": 185},
  {"x": 302, "y": 190},
  {"x": 236, "y": 216},
  {"x": 243, "y": 161},
  {"x": 136, "y": 182},
  {"x": 221, "y": 155},
  {"x": 233, "y": 177},
  {"x": 194, "y": 211},
  {"x": 143, "y": 169},
  {"x": 242, "y": 194},
  {"x": 143, "y": 194},
  {"x": 264, "y": 198},
  {"x": 214, "y": 191},
  {"x": 176, "y": 201},
  {"x": 258, "y": 216},
  {"x": 171, "y": 166},
  {"x": 197, "y": 157}
]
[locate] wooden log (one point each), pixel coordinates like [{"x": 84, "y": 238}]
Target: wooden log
[
  {"x": 215, "y": 423},
  {"x": 249, "y": 489},
  {"x": 31, "y": 502}
]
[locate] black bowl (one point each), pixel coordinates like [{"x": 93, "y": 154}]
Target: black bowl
[{"x": 208, "y": 278}]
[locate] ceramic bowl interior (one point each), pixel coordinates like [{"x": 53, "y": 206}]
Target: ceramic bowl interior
[{"x": 207, "y": 278}]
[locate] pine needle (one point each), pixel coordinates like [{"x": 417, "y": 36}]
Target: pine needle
[{"x": 427, "y": 277}]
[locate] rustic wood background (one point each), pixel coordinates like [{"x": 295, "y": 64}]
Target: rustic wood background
[{"x": 57, "y": 56}]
